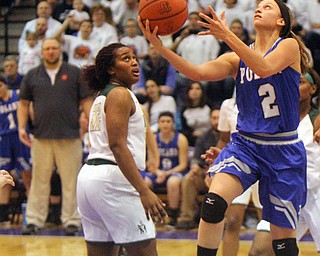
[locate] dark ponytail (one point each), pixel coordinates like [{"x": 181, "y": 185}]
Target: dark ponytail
[{"x": 96, "y": 76}]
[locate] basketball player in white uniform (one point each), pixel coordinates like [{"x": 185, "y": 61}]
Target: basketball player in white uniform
[{"x": 115, "y": 203}]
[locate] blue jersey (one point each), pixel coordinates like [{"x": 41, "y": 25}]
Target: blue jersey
[
  {"x": 169, "y": 152},
  {"x": 8, "y": 114},
  {"x": 267, "y": 105}
]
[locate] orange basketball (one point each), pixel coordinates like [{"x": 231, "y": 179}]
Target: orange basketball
[{"x": 168, "y": 15}]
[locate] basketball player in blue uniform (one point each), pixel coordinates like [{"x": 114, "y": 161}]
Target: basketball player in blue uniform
[
  {"x": 13, "y": 154},
  {"x": 267, "y": 147},
  {"x": 173, "y": 151}
]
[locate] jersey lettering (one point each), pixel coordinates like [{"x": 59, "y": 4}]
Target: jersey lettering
[
  {"x": 247, "y": 73},
  {"x": 270, "y": 108},
  {"x": 95, "y": 123}
]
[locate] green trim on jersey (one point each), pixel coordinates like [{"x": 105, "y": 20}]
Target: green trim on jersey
[
  {"x": 313, "y": 113},
  {"x": 108, "y": 88}
]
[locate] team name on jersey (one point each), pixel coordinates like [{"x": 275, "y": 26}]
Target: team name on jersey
[
  {"x": 247, "y": 73},
  {"x": 8, "y": 108},
  {"x": 168, "y": 152}
]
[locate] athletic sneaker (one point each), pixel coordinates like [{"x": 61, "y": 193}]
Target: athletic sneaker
[
  {"x": 30, "y": 229},
  {"x": 72, "y": 230}
]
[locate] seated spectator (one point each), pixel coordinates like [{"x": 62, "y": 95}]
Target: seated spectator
[
  {"x": 136, "y": 42},
  {"x": 11, "y": 75},
  {"x": 195, "y": 48},
  {"x": 218, "y": 91},
  {"x": 117, "y": 7},
  {"x": 104, "y": 30},
  {"x": 77, "y": 15},
  {"x": 6, "y": 178},
  {"x": 82, "y": 50},
  {"x": 30, "y": 55},
  {"x": 233, "y": 10},
  {"x": 131, "y": 12},
  {"x": 194, "y": 181},
  {"x": 173, "y": 150},
  {"x": 195, "y": 116},
  {"x": 63, "y": 8},
  {"x": 157, "y": 68},
  {"x": 44, "y": 10},
  {"x": 157, "y": 103}
]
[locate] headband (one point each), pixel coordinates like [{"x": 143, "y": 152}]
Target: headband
[
  {"x": 309, "y": 78},
  {"x": 285, "y": 13}
]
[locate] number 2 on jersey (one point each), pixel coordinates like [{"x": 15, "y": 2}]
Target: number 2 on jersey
[{"x": 269, "y": 107}]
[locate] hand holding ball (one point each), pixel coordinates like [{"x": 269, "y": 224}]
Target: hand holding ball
[{"x": 168, "y": 15}]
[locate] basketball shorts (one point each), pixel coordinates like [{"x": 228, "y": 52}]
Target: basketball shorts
[
  {"x": 110, "y": 207},
  {"x": 251, "y": 193},
  {"x": 310, "y": 217},
  {"x": 14, "y": 155},
  {"x": 280, "y": 167}
]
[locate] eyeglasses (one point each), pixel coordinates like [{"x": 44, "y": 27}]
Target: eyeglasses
[{"x": 51, "y": 48}]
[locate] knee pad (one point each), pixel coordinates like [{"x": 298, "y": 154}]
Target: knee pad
[
  {"x": 285, "y": 247},
  {"x": 213, "y": 208}
]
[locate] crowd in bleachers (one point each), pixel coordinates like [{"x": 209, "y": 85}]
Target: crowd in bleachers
[{"x": 83, "y": 27}]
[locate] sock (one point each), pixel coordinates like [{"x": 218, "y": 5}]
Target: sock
[
  {"x": 285, "y": 247},
  {"x": 4, "y": 212},
  {"x": 201, "y": 251}
]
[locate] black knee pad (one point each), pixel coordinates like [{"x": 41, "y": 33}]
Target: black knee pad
[
  {"x": 285, "y": 247},
  {"x": 213, "y": 208}
]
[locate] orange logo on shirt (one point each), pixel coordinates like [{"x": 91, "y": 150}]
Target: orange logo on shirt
[{"x": 64, "y": 77}]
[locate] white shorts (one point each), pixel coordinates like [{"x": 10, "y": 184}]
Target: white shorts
[
  {"x": 244, "y": 198},
  {"x": 310, "y": 217},
  {"x": 110, "y": 207},
  {"x": 263, "y": 225}
]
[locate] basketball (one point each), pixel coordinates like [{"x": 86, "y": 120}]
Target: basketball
[{"x": 168, "y": 15}]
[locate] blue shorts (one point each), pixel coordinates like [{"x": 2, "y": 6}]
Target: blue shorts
[
  {"x": 280, "y": 166},
  {"x": 156, "y": 185},
  {"x": 14, "y": 155}
]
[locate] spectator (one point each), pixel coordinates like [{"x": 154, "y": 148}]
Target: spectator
[
  {"x": 300, "y": 11},
  {"x": 157, "y": 68},
  {"x": 136, "y": 42},
  {"x": 53, "y": 88},
  {"x": 117, "y": 7},
  {"x": 217, "y": 92},
  {"x": 157, "y": 103},
  {"x": 173, "y": 150},
  {"x": 187, "y": 45},
  {"x": 131, "y": 12},
  {"x": 30, "y": 55},
  {"x": 233, "y": 10},
  {"x": 13, "y": 154},
  {"x": 81, "y": 50},
  {"x": 312, "y": 38},
  {"x": 62, "y": 9},
  {"x": 194, "y": 181},
  {"x": 104, "y": 30},
  {"x": 44, "y": 10},
  {"x": 77, "y": 15},
  {"x": 11, "y": 75},
  {"x": 195, "y": 115},
  {"x": 5, "y": 178}
]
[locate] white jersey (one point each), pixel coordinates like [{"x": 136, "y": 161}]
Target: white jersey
[
  {"x": 228, "y": 116},
  {"x": 305, "y": 132},
  {"x": 98, "y": 136}
]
